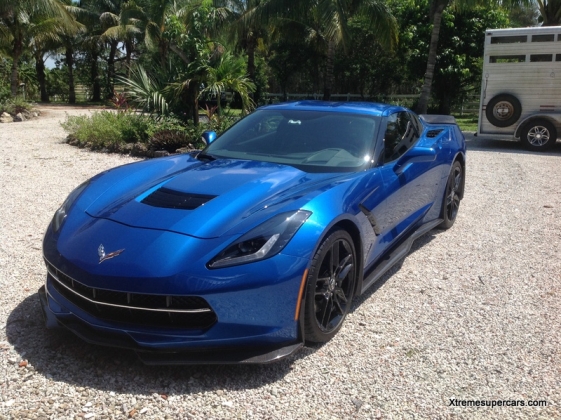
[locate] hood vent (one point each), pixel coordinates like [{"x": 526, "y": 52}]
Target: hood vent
[{"x": 171, "y": 199}]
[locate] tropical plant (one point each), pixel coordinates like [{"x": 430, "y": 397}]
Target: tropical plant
[
  {"x": 21, "y": 22},
  {"x": 326, "y": 22},
  {"x": 437, "y": 8},
  {"x": 550, "y": 12},
  {"x": 228, "y": 73},
  {"x": 246, "y": 31},
  {"x": 146, "y": 92}
]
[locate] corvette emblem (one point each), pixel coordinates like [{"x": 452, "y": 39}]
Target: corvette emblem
[{"x": 103, "y": 256}]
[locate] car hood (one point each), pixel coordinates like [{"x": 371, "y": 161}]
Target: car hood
[{"x": 212, "y": 199}]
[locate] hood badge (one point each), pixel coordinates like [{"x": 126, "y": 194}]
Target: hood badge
[{"x": 103, "y": 256}]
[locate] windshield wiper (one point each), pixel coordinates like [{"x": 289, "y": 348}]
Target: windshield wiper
[{"x": 206, "y": 156}]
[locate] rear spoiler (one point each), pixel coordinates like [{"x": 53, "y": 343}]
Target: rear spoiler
[{"x": 437, "y": 119}]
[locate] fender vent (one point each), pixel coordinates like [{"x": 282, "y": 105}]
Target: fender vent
[
  {"x": 171, "y": 199},
  {"x": 433, "y": 133}
]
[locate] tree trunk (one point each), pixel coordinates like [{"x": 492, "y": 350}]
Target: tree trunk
[
  {"x": 14, "y": 79},
  {"x": 328, "y": 84},
  {"x": 70, "y": 64},
  {"x": 94, "y": 74},
  {"x": 194, "y": 89},
  {"x": 550, "y": 13},
  {"x": 41, "y": 77},
  {"x": 422, "y": 105},
  {"x": 251, "y": 69},
  {"x": 111, "y": 69},
  {"x": 128, "y": 48}
]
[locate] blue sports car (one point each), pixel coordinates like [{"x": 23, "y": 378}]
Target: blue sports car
[{"x": 246, "y": 250}]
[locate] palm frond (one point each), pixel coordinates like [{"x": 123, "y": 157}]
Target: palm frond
[{"x": 145, "y": 92}]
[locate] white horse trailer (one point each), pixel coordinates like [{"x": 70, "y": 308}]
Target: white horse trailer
[{"x": 521, "y": 86}]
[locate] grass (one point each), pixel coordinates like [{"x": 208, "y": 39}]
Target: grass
[{"x": 467, "y": 122}]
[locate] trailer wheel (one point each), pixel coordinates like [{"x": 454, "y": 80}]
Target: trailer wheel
[
  {"x": 503, "y": 110},
  {"x": 538, "y": 134}
]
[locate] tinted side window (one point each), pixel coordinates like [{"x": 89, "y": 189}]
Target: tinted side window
[{"x": 401, "y": 134}]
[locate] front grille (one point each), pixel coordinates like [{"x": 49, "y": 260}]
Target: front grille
[
  {"x": 134, "y": 308},
  {"x": 171, "y": 199}
]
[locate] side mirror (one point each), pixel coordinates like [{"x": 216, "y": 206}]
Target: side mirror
[
  {"x": 208, "y": 137},
  {"x": 414, "y": 155}
]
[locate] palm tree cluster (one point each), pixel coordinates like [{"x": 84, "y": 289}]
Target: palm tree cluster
[{"x": 174, "y": 56}]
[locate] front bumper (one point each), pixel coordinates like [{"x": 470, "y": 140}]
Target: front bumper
[
  {"x": 119, "y": 303},
  {"x": 105, "y": 337},
  {"x": 255, "y": 314}
]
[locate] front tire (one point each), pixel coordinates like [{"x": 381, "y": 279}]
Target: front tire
[
  {"x": 538, "y": 135},
  {"x": 330, "y": 287},
  {"x": 452, "y": 196}
]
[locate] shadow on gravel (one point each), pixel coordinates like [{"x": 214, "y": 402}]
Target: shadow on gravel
[
  {"x": 506, "y": 146},
  {"x": 61, "y": 356}
]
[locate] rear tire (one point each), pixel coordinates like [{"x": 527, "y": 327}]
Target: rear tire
[
  {"x": 538, "y": 135},
  {"x": 330, "y": 287},
  {"x": 452, "y": 196}
]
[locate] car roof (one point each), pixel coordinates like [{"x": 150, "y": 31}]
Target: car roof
[{"x": 367, "y": 108}]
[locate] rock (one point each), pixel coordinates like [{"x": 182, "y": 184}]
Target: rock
[
  {"x": 139, "y": 149},
  {"x": 19, "y": 117},
  {"x": 358, "y": 403},
  {"x": 161, "y": 153},
  {"x": 6, "y": 118}
]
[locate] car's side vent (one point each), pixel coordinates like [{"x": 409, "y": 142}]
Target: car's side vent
[
  {"x": 171, "y": 199},
  {"x": 434, "y": 133}
]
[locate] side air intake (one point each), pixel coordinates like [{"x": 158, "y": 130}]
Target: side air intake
[{"x": 433, "y": 133}]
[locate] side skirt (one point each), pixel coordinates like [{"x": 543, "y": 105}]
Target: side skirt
[{"x": 396, "y": 254}]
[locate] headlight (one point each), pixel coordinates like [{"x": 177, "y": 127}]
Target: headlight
[
  {"x": 262, "y": 242},
  {"x": 61, "y": 213}
]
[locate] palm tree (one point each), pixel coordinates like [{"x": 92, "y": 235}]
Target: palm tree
[
  {"x": 151, "y": 18},
  {"x": 550, "y": 11},
  {"x": 19, "y": 23},
  {"x": 228, "y": 74},
  {"x": 437, "y": 7},
  {"x": 117, "y": 31},
  {"x": 326, "y": 22},
  {"x": 244, "y": 30}
]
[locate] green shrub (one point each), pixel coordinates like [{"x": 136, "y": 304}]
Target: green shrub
[
  {"x": 107, "y": 129},
  {"x": 112, "y": 131},
  {"x": 4, "y": 92},
  {"x": 15, "y": 106}
]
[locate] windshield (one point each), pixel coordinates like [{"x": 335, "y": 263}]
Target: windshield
[{"x": 309, "y": 140}]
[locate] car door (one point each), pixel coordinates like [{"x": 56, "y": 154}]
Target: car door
[{"x": 409, "y": 186}]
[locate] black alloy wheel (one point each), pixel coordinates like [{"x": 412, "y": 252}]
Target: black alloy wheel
[
  {"x": 330, "y": 287},
  {"x": 452, "y": 196}
]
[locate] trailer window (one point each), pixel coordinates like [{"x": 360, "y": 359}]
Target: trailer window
[
  {"x": 558, "y": 57},
  {"x": 543, "y": 38},
  {"x": 507, "y": 59},
  {"x": 514, "y": 39},
  {"x": 537, "y": 58}
]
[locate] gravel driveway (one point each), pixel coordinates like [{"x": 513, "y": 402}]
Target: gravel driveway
[{"x": 473, "y": 313}]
